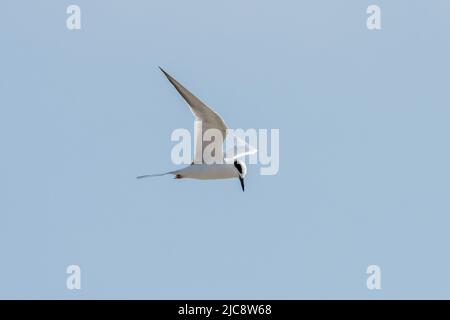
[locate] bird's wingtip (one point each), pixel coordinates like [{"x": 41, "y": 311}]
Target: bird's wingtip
[{"x": 162, "y": 70}]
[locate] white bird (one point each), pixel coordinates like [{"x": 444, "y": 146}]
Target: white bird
[{"x": 206, "y": 119}]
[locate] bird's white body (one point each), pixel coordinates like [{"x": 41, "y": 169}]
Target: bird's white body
[{"x": 208, "y": 171}]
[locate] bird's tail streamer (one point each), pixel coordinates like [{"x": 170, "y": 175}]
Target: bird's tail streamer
[{"x": 153, "y": 175}]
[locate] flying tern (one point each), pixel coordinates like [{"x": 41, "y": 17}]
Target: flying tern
[{"x": 207, "y": 119}]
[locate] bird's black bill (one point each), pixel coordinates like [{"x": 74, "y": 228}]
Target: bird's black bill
[{"x": 242, "y": 182}]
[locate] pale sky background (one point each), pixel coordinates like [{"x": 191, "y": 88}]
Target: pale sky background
[{"x": 364, "y": 153}]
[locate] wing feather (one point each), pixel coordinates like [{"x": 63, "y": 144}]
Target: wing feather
[{"x": 205, "y": 116}]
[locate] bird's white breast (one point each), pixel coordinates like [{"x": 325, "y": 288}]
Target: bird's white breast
[{"x": 209, "y": 171}]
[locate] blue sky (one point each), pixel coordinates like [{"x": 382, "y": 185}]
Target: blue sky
[{"x": 364, "y": 160}]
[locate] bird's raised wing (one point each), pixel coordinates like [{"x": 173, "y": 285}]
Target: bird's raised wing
[{"x": 205, "y": 117}]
